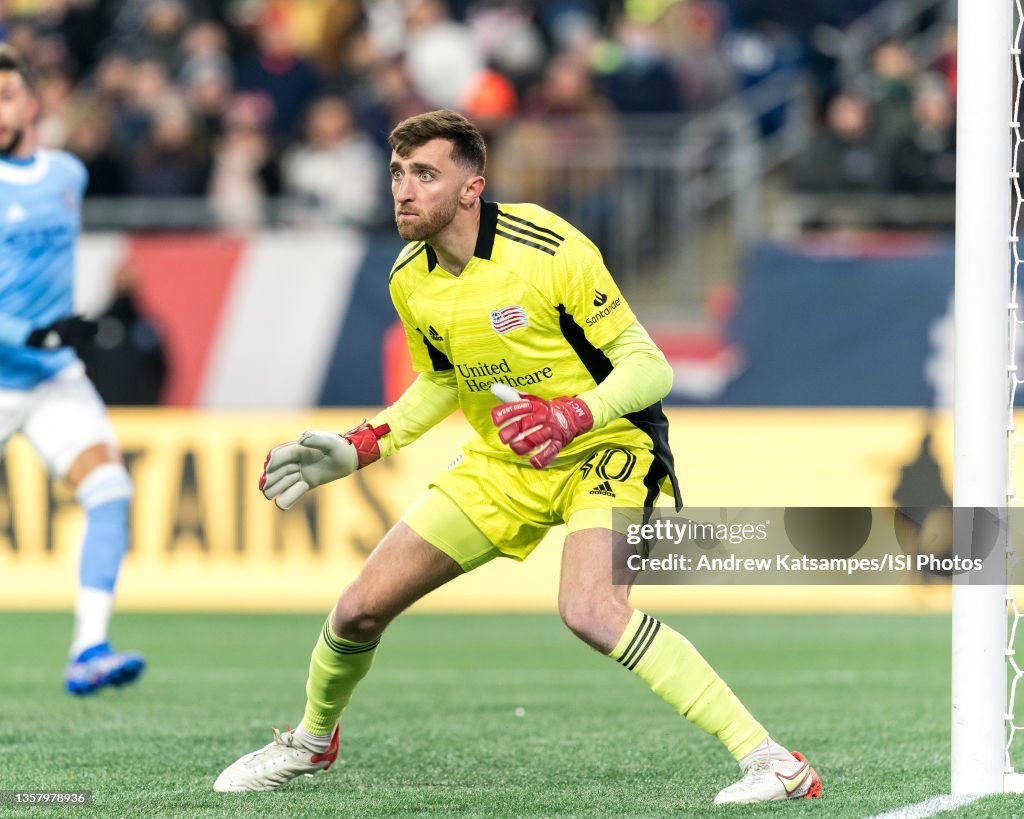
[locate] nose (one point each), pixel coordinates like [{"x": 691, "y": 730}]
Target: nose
[{"x": 403, "y": 190}]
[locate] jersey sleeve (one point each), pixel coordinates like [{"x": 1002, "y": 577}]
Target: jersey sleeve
[
  {"x": 83, "y": 179},
  {"x": 431, "y": 398},
  {"x": 589, "y": 294},
  {"x": 14, "y": 330},
  {"x": 78, "y": 172},
  {"x": 640, "y": 377}
]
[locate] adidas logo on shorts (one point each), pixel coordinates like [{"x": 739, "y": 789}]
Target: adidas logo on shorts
[{"x": 603, "y": 489}]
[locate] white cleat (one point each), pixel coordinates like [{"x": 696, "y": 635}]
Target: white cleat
[
  {"x": 275, "y": 765},
  {"x": 772, "y": 780}
]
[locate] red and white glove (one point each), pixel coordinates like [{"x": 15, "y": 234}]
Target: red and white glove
[
  {"x": 527, "y": 423},
  {"x": 292, "y": 469}
]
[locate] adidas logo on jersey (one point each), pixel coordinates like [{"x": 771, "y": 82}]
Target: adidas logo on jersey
[
  {"x": 434, "y": 335},
  {"x": 603, "y": 489},
  {"x": 15, "y": 213},
  {"x": 599, "y": 298}
]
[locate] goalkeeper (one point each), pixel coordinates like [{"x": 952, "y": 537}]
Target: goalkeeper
[{"x": 510, "y": 315}]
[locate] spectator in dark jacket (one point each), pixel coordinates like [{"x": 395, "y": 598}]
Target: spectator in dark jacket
[
  {"x": 845, "y": 157},
  {"x": 126, "y": 360},
  {"x": 924, "y": 161}
]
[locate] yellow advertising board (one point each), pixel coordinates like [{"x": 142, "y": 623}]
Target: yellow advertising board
[{"x": 203, "y": 537}]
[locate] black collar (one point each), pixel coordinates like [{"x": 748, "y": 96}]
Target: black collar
[
  {"x": 484, "y": 238},
  {"x": 488, "y": 224}
]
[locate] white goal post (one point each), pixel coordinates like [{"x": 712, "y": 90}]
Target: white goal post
[{"x": 985, "y": 318}]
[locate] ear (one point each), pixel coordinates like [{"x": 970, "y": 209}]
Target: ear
[{"x": 472, "y": 189}]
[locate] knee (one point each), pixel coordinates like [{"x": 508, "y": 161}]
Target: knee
[
  {"x": 104, "y": 484},
  {"x": 593, "y": 620},
  {"x": 356, "y": 618}
]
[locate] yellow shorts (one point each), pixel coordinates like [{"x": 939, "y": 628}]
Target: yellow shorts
[{"x": 484, "y": 507}]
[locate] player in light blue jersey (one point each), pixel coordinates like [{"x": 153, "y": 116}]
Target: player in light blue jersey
[{"x": 44, "y": 393}]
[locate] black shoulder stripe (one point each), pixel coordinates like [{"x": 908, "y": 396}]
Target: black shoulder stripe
[
  {"x": 531, "y": 225},
  {"x": 411, "y": 255},
  {"x": 416, "y": 248},
  {"x": 526, "y": 242},
  {"x": 553, "y": 242}
]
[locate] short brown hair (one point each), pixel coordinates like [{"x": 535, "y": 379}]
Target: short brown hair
[
  {"x": 11, "y": 60},
  {"x": 468, "y": 147}
]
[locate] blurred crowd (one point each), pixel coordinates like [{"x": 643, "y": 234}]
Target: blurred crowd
[
  {"x": 893, "y": 131},
  {"x": 241, "y": 101}
]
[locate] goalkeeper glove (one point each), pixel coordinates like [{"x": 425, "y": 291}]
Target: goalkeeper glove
[
  {"x": 66, "y": 332},
  {"x": 531, "y": 423},
  {"x": 292, "y": 469}
]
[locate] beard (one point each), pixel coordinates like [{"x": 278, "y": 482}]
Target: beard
[
  {"x": 429, "y": 224},
  {"x": 13, "y": 143}
]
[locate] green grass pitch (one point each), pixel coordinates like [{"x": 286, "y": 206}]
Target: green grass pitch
[{"x": 434, "y": 730}]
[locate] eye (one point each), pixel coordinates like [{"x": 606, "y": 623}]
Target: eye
[
  {"x": 396, "y": 174},
  {"x": 426, "y": 176}
]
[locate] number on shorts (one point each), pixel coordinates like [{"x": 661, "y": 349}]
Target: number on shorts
[{"x": 605, "y": 469}]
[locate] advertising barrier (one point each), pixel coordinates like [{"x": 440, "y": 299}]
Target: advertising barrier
[
  {"x": 834, "y": 322},
  {"x": 204, "y": 538}
]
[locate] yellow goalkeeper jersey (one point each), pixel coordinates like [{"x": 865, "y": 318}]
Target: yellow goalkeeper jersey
[{"x": 532, "y": 309}]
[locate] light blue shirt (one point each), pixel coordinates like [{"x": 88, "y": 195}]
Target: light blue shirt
[{"x": 40, "y": 219}]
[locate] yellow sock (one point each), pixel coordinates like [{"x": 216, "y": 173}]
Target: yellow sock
[
  {"x": 675, "y": 671},
  {"x": 335, "y": 668}
]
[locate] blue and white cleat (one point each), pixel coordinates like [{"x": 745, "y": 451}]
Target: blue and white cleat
[{"x": 100, "y": 666}]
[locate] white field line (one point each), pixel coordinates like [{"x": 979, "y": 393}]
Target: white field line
[{"x": 929, "y": 807}]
